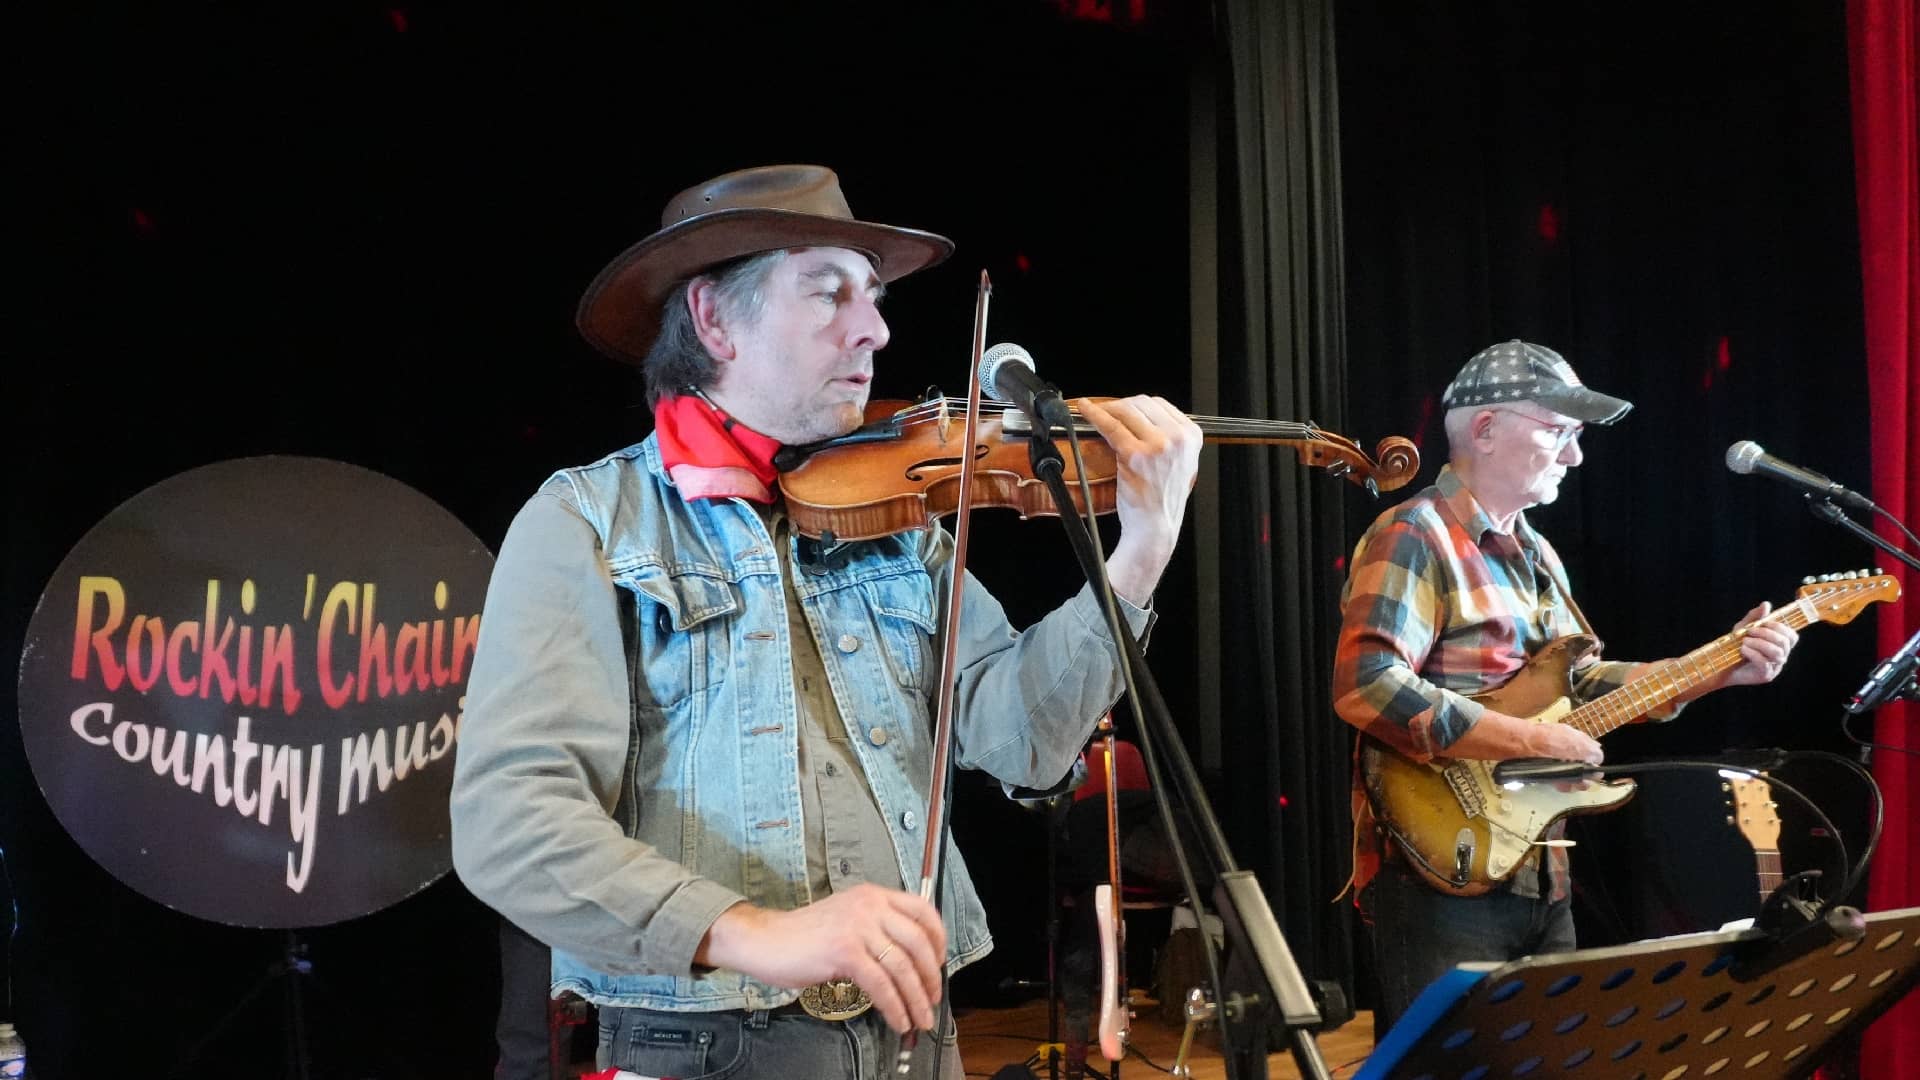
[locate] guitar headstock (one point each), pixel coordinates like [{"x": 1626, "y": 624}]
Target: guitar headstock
[
  {"x": 1837, "y": 598},
  {"x": 1751, "y": 809}
]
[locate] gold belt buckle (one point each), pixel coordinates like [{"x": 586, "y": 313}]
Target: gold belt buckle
[{"x": 835, "y": 999}]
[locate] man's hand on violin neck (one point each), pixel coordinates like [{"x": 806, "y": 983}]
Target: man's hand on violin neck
[
  {"x": 891, "y": 943},
  {"x": 1157, "y": 453}
]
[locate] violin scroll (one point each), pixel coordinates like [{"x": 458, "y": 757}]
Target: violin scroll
[
  {"x": 1395, "y": 462},
  {"x": 1398, "y": 461}
]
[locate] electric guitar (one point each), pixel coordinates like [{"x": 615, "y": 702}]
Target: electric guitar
[
  {"x": 1110, "y": 921},
  {"x": 1753, "y": 813},
  {"x": 1465, "y": 835}
]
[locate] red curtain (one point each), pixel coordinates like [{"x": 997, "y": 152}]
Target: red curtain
[{"x": 1883, "y": 38}]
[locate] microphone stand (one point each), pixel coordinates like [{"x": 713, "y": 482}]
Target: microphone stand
[
  {"x": 1825, "y": 510},
  {"x": 1907, "y": 686},
  {"x": 1263, "y": 978}
]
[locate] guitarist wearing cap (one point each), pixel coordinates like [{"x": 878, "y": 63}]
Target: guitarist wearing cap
[{"x": 1450, "y": 594}]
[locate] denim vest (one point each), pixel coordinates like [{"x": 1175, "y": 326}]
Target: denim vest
[{"x": 712, "y": 771}]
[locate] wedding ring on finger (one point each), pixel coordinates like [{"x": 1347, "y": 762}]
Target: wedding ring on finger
[{"x": 881, "y": 957}]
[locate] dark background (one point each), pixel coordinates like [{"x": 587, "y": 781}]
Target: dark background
[{"x": 359, "y": 232}]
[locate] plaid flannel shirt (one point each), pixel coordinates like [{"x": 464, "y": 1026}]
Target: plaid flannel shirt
[{"x": 1440, "y": 604}]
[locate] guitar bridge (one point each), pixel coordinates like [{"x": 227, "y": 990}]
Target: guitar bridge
[{"x": 1465, "y": 790}]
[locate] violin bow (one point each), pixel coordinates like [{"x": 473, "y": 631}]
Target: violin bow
[{"x": 933, "y": 855}]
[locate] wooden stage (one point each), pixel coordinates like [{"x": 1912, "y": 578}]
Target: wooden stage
[{"x": 991, "y": 1039}]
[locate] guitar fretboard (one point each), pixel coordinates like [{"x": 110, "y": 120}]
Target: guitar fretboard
[
  {"x": 1767, "y": 866},
  {"x": 1673, "y": 678}
]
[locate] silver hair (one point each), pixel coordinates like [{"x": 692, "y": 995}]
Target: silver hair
[
  {"x": 678, "y": 361},
  {"x": 1457, "y": 421}
]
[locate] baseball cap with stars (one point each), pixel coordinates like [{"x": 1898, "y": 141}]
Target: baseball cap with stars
[{"x": 1520, "y": 371}]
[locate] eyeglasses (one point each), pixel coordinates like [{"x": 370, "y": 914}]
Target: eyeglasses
[{"x": 1561, "y": 434}]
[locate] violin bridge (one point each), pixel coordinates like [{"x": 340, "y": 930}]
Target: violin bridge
[{"x": 946, "y": 418}]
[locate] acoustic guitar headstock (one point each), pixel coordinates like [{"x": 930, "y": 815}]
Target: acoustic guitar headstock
[{"x": 1751, "y": 809}]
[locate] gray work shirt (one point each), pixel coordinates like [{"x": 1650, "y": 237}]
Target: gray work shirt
[{"x": 843, "y": 826}]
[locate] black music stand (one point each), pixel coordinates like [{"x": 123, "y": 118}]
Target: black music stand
[
  {"x": 1658, "y": 1009},
  {"x": 291, "y": 972}
]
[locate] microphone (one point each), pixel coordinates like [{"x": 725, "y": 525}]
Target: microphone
[
  {"x": 1747, "y": 457},
  {"x": 1889, "y": 680},
  {"x": 1006, "y": 372},
  {"x": 1522, "y": 770}
]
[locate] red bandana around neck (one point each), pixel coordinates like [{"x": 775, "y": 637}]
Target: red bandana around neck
[{"x": 709, "y": 454}]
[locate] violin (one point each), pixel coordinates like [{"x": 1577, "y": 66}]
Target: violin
[{"x": 902, "y": 467}]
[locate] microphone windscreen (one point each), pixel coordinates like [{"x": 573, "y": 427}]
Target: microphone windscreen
[{"x": 993, "y": 359}]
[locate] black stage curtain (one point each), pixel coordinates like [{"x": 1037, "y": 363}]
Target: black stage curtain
[
  {"x": 1281, "y": 350},
  {"x": 1667, "y": 200},
  {"x": 1664, "y": 195}
]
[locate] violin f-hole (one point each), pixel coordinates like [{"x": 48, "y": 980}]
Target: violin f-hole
[{"x": 914, "y": 470}]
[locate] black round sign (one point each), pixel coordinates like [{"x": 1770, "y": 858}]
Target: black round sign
[{"x": 242, "y": 690}]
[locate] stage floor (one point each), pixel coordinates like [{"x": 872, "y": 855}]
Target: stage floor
[{"x": 991, "y": 1039}]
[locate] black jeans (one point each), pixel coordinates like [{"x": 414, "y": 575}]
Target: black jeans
[
  {"x": 520, "y": 1032},
  {"x": 1420, "y": 933},
  {"x": 781, "y": 1044}
]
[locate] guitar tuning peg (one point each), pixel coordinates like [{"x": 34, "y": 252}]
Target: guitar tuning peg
[
  {"x": 1877, "y": 571},
  {"x": 1808, "y": 580}
]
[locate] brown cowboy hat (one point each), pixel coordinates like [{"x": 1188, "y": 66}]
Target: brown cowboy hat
[{"x": 742, "y": 213}]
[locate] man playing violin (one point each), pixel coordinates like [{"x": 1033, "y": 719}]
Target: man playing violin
[
  {"x": 1449, "y": 594},
  {"x": 695, "y": 757}
]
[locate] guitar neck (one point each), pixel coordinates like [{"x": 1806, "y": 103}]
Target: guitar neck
[
  {"x": 1673, "y": 678},
  {"x": 1767, "y": 868}
]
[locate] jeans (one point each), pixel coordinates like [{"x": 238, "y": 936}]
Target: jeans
[
  {"x": 521, "y": 1031},
  {"x": 781, "y": 1044},
  {"x": 1420, "y": 933}
]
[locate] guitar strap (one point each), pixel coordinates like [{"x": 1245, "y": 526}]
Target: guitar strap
[{"x": 1558, "y": 575}]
